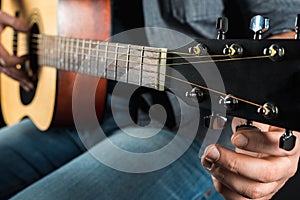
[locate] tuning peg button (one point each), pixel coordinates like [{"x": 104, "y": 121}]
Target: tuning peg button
[
  {"x": 258, "y": 25},
  {"x": 287, "y": 141},
  {"x": 297, "y": 27},
  {"x": 222, "y": 27}
]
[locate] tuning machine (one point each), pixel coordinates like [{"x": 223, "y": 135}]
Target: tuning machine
[
  {"x": 199, "y": 49},
  {"x": 268, "y": 111},
  {"x": 259, "y": 25},
  {"x": 196, "y": 94},
  {"x": 287, "y": 140},
  {"x": 297, "y": 27},
  {"x": 222, "y": 27},
  {"x": 275, "y": 52},
  {"x": 229, "y": 102},
  {"x": 233, "y": 51}
]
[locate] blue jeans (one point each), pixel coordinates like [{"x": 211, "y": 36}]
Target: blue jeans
[{"x": 28, "y": 157}]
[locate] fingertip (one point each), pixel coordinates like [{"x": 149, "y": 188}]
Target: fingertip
[
  {"x": 240, "y": 140},
  {"x": 211, "y": 153},
  {"x": 19, "y": 25}
]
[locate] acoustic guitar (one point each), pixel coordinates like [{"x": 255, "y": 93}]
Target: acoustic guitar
[
  {"x": 50, "y": 103},
  {"x": 259, "y": 78}
]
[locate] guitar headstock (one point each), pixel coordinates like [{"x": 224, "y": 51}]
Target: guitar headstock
[{"x": 252, "y": 79}]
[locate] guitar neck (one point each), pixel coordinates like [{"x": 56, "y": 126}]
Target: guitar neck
[{"x": 138, "y": 65}]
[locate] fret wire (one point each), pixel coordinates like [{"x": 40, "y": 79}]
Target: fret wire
[
  {"x": 52, "y": 53},
  {"x": 69, "y": 55},
  {"x": 81, "y": 67},
  {"x": 105, "y": 58},
  {"x": 116, "y": 62},
  {"x": 161, "y": 65},
  {"x": 127, "y": 63},
  {"x": 89, "y": 58},
  {"x": 58, "y": 52},
  {"x": 47, "y": 57},
  {"x": 66, "y": 55},
  {"x": 62, "y": 52},
  {"x": 97, "y": 60},
  {"x": 77, "y": 55},
  {"x": 141, "y": 65},
  {"x": 72, "y": 54},
  {"x": 45, "y": 48}
]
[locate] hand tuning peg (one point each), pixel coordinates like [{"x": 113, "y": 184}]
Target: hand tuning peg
[
  {"x": 258, "y": 25},
  {"x": 222, "y": 27},
  {"x": 287, "y": 141},
  {"x": 297, "y": 27}
]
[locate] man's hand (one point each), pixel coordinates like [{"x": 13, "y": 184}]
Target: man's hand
[
  {"x": 257, "y": 169},
  {"x": 8, "y": 62}
]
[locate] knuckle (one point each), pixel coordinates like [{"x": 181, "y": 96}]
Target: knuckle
[{"x": 233, "y": 165}]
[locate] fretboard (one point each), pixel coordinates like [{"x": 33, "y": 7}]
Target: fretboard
[{"x": 138, "y": 65}]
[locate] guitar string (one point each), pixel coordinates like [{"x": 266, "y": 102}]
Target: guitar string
[
  {"x": 168, "y": 64},
  {"x": 189, "y": 55},
  {"x": 194, "y": 84},
  {"x": 156, "y": 58},
  {"x": 181, "y": 80},
  {"x": 39, "y": 37}
]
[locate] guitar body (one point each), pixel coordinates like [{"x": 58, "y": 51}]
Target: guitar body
[{"x": 51, "y": 102}]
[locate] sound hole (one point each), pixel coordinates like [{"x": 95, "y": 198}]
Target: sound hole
[{"x": 31, "y": 68}]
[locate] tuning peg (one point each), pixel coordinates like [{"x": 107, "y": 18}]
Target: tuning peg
[
  {"x": 258, "y": 25},
  {"x": 287, "y": 140},
  {"x": 222, "y": 27},
  {"x": 297, "y": 27}
]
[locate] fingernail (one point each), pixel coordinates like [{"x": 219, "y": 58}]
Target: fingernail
[
  {"x": 212, "y": 154},
  {"x": 31, "y": 86},
  {"x": 240, "y": 141},
  {"x": 207, "y": 164},
  {"x": 26, "y": 88}
]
